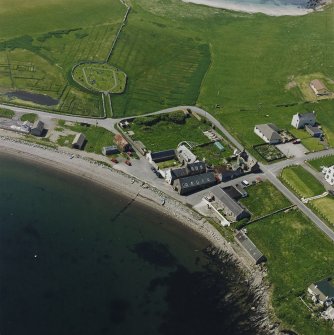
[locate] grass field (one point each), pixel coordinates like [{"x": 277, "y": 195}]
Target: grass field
[
  {"x": 301, "y": 182},
  {"x": 100, "y": 77},
  {"x": 212, "y": 155},
  {"x": 324, "y": 161},
  {"x": 167, "y": 134},
  {"x": 325, "y": 208},
  {"x": 298, "y": 254},
  {"x": 264, "y": 198}
]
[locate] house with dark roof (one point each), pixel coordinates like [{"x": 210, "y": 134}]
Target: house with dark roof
[
  {"x": 322, "y": 292},
  {"x": 227, "y": 205},
  {"x": 37, "y": 128},
  {"x": 268, "y": 132},
  {"x": 299, "y": 121},
  {"x": 191, "y": 184},
  {"x": 79, "y": 141},
  {"x": 111, "y": 150},
  {"x": 161, "y": 156},
  {"x": 235, "y": 192},
  {"x": 318, "y": 87},
  {"x": 249, "y": 247},
  {"x": 189, "y": 170},
  {"x": 313, "y": 131}
]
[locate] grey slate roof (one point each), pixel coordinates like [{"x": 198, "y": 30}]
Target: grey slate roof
[
  {"x": 164, "y": 155},
  {"x": 307, "y": 116},
  {"x": 197, "y": 180},
  {"x": 222, "y": 196},
  {"x": 270, "y": 131},
  {"x": 196, "y": 168},
  {"x": 249, "y": 247},
  {"x": 324, "y": 289}
]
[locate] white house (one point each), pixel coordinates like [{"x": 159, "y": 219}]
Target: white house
[
  {"x": 329, "y": 174},
  {"x": 301, "y": 120},
  {"x": 268, "y": 132}
]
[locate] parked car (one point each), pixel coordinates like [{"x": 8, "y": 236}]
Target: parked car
[
  {"x": 245, "y": 182},
  {"x": 114, "y": 160},
  {"x": 127, "y": 162},
  {"x": 297, "y": 141}
]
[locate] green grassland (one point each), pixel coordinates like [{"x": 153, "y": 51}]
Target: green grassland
[
  {"x": 31, "y": 117},
  {"x": 6, "y": 113},
  {"x": 301, "y": 182},
  {"x": 298, "y": 254},
  {"x": 264, "y": 198},
  {"x": 167, "y": 134},
  {"x": 324, "y": 161},
  {"x": 100, "y": 77},
  {"x": 212, "y": 155},
  {"x": 325, "y": 208}
]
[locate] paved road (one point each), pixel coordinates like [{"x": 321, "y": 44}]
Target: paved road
[{"x": 270, "y": 171}]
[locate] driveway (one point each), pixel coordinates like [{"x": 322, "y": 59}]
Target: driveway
[{"x": 292, "y": 150}]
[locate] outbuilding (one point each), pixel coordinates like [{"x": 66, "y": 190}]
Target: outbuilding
[
  {"x": 37, "y": 128},
  {"x": 268, "y": 132},
  {"x": 79, "y": 141},
  {"x": 161, "y": 156},
  {"x": 318, "y": 87},
  {"x": 194, "y": 183},
  {"x": 111, "y": 150},
  {"x": 313, "y": 131}
]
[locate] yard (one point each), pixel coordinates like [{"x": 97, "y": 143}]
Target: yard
[
  {"x": 264, "y": 198},
  {"x": 163, "y": 133},
  {"x": 269, "y": 152},
  {"x": 212, "y": 155},
  {"x": 298, "y": 254},
  {"x": 301, "y": 182},
  {"x": 324, "y": 161}
]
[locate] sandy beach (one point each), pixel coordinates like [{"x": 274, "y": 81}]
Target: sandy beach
[{"x": 272, "y": 10}]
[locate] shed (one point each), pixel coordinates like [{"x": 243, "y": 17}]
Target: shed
[
  {"x": 111, "y": 150},
  {"x": 161, "y": 156},
  {"x": 220, "y": 146},
  {"x": 79, "y": 141},
  {"x": 37, "y": 128},
  {"x": 252, "y": 251},
  {"x": 313, "y": 131},
  {"x": 318, "y": 87},
  {"x": 185, "y": 155},
  {"x": 268, "y": 132}
]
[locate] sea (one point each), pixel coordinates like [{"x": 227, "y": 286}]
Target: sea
[{"x": 77, "y": 259}]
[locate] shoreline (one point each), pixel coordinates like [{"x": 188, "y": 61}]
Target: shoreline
[
  {"x": 256, "y": 8},
  {"x": 147, "y": 195}
]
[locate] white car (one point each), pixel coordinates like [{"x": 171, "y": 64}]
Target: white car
[{"x": 245, "y": 182}]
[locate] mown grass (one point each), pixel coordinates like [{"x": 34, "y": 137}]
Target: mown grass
[
  {"x": 301, "y": 182},
  {"x": 264, "y": 198},
  {"x": 6, "y": 113},
  {"x": 298, "y": 254},
  {"x": 324, "y": 161},
  {"x": 325, "y": 208},
  {"x": 166, "y": 135},
  {"x": 31, "y": 117},
  {"x": 212, "y": 155}
]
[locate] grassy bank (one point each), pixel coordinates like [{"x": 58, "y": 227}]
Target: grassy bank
[{"x": 324, "y": 161}]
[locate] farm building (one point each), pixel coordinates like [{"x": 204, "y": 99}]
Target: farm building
[
  {"x": 189, "y": 170},
  {"x": 322, "y": 292},
  {"x": 318, "y": 87},
  {"x": 111, "y": 150},
  {"x": 252, "y": 251},
  {"x": 299, "y": 121},
  {"x": 184, "y": 155},
  {"x": 235, "y": 192},
  {"x": 194, "y": 183},
  {"x": 313, "y": 131},
  {"x": 37, "y": 128},
  {"x": 329, "y": 174},
  {"x": 231, "y": 209},
  {"x": 268, "y": 132},
  {"x": 161, "y": 156},
  {"x": 79, "y": 141},
  {"x": 122, "y": 143}
]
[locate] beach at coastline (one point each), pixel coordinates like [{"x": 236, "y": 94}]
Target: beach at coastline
[
  {"x": 131, "y": 187},
  {"x": 252, "y": 8}
]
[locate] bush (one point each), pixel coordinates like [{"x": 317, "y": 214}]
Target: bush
[
  {"x": 6, "y": 113},
  {"x": 147, "y": 120},
  {"x": 177, "y": 117}
]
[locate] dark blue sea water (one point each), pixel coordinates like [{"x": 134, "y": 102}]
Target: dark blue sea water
[{"x": 78, "y": 259}]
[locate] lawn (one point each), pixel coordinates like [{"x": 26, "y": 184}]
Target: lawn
[
  {"x": 6, "y": 113},
  {"x": 298, "y": 254},
  {"x": 324, "y": 161},
  {"x": 31, "y": 117},
  {"x": 301, "y": 182},
  {"x": 166, "y": 134},
  {"x": 212, "y": 155},
  {"x": 264, "y": 198},
  {"x": 97, "y": 137},
  {"x": 325, "y": 208}
]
